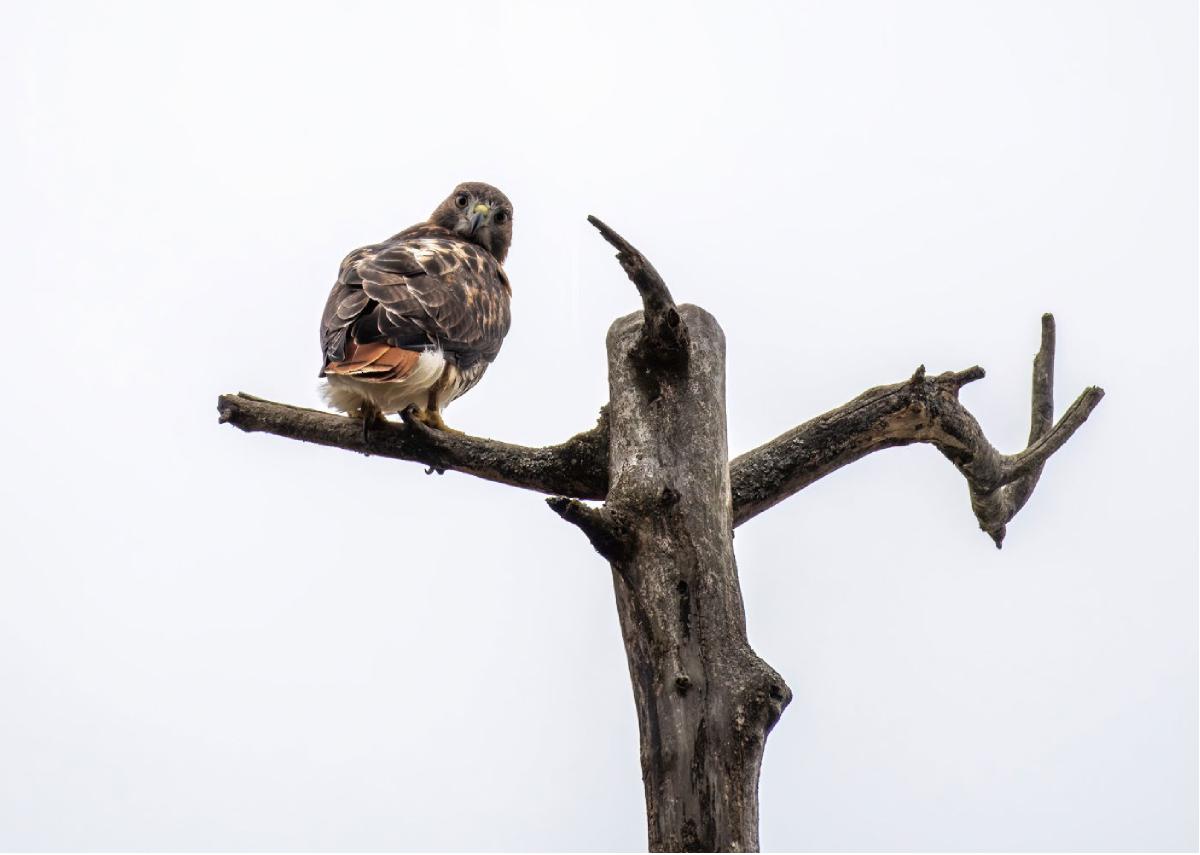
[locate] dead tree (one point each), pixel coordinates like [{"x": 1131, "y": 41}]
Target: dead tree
[{"x": 658, "y": 459}]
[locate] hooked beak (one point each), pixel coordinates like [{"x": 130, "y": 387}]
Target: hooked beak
[{"x": 480, "y": 211}]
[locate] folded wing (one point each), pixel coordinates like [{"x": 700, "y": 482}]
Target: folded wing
[{"x": 414, "y": 293}]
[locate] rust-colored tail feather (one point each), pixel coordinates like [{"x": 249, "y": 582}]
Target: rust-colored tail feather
[{"x": 376, "y": 361}]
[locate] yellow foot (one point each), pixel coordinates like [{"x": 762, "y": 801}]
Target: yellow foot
[{"x": 433, "y": 418}]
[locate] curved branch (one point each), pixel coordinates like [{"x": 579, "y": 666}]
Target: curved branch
[
  {"x": 664, "y": 338},
  {"x": 921, "y": 409},
  {"x": 577, "y": 467}
]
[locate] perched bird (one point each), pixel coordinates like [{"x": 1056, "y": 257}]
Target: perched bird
[{"x": 416, "y": 320}]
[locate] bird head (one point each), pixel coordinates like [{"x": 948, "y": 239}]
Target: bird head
[{"x": 479, "y": 213}]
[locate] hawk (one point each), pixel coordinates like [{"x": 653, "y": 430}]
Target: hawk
[{"x": 416, "y": 320}]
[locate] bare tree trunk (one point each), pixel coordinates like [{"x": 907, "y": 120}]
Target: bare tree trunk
[{"x": 705, "y": 701}]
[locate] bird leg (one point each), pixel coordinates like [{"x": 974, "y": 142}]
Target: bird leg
[
  {"x": 433, "y": 418},
  {"x": 370, "y": 414},
  {"x": 417, "y": 420},
  {"x": 424, "y": 421},
  {"x": 432, "y": 414}
]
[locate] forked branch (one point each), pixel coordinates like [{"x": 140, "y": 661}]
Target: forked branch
[{"x": 921, "y": 409}]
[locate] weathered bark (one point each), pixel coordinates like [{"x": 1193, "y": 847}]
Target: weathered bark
[
  {"x": 705, "y": 701},
  {"x": 576, "y": 467},
  {"x": 921, "y": 409}
]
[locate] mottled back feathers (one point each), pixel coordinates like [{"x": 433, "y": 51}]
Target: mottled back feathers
[
  {"x": 423, "y": 289},
  {"x": 418, "y": 318}
]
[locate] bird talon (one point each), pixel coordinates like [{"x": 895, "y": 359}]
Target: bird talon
[
  {"x": 417, "y": 420},
  {"x": 370, "y": 415},
  {"x": 426, "y": 420},
  {"x": 433, "y": 419}
]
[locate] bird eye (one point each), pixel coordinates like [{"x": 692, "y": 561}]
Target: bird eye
[
  {"x": 461, "y": 200},
  {"x": 501, "y": 217}
]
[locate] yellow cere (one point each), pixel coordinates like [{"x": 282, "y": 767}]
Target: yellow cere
[{"x": 481, "y": 208}]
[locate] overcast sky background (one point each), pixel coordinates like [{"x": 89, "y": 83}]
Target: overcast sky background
[{"x": 210, "y": 640}]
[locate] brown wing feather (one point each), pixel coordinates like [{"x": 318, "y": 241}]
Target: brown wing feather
[{"x": 423, "y": 289}]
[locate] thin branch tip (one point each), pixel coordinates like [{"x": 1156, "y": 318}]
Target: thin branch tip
[
  {"x": 968, "y": 375},
  {"x": 609, "y": 234},
  {"x": 665, "y": 337},
  {"x": 1048, "y": 336},
  {"x": 230, "y": 409}
]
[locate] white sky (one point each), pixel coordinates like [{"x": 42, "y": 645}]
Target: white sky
[{"x": 212, "y": 640}]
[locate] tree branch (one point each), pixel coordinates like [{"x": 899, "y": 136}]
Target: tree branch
[
  {"x": 664, "y": 337},
  {"x": 577, "y": 467},
  {"x": 921, "y": 409},
  {"x": 607, "y": 531}
]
